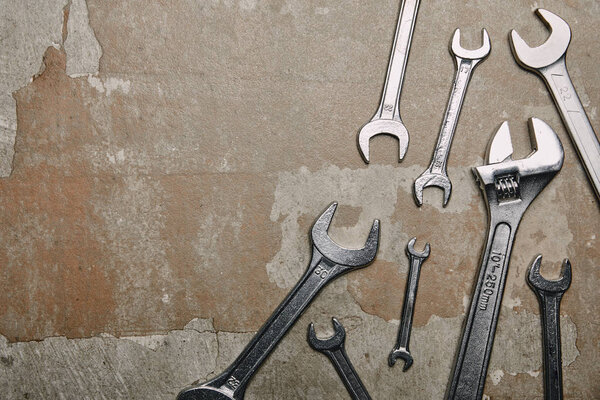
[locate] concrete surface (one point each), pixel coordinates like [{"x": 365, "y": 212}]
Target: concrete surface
[{"x": 163, "y": 162}]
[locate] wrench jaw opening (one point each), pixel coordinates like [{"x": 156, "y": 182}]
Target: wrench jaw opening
[
  {"x": 477, "y": 55},
  {"x": 548, "y": 53},
  {"x": 404, "y": 355},
  {"x": 376, "y": 127},
  {"x": 331, "y": 343},
  {"x": 428, "y": 180},
  {"x": 518, "y": 182},
  {"x": 347, "y": 259},
  {"x": 540, "y": 284}
]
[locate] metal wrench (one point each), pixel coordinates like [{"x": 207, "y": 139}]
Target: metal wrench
[
  {"x": 408, "y": 309},
  {"x": 509, "y": 187},
  {"x": 548, "y": 61},
  {"x": 549, "y": 294},
  {"x": 333, "y": 348},
  {"x": 387, "y": 118},
  {"x": 329, "y": 260},
  {"x": 465, "y": 61}
]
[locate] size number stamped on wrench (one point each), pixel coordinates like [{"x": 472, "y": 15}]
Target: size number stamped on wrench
[{"x": 495, "y": 264}]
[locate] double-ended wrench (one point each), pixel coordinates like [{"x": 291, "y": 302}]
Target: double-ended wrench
[
  {"x": 333, "y": 348},
  {"x": 549, "y": 294},
  {"x": 387, "y": 118},
  {"x": 548, "y": 61},
  {"x": 465, "y": 61},
  {"x": 509, "y": 187},
  {"x": 329, "y": 260}
]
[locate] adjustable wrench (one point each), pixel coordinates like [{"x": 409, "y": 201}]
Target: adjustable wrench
[
  {"x": 408, "y": 309},
  {"x": 329, "y": 260},
  {"x": 548, "y": 61},
  {"x": 465, "y": 61},
  {"x": 549, "y": 294},
  {"x": 509, "y": 186},
  {"x": 387, "y": 118},
  {"x": 333, "y": 348}
]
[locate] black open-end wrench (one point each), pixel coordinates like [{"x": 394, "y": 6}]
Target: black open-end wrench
[
  {"x": 408, "y": 309},
  {"x": 329, "y": 260},
  {"x": 509, "y": 186},
  {"x": 549, "y": 294},
  {"x": 333, "y": 348}
]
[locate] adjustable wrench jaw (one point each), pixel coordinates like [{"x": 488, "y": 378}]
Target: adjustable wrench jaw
[
  {"x": 509, "y": 186},
  {"x": 553, "y": 50}
]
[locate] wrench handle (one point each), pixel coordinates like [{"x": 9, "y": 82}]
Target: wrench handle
[
  {"x": 388, "y": 109},
  {"x": 575, "y": 119},
  {"x": 464, "y": 70},
  {"x": 348, "y": 374},
  {"x": 237, "y": 376},
  {"x": 471, "y": 366},
  {"x": 550, "y": 314},
  {"x": 408, "y": 308}
]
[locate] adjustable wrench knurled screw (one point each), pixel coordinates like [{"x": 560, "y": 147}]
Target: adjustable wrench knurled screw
[
  {"x": 333, "y": 348},
  {"x": 549, "y": 294},
  {"x": 509, "y": 187},
  {"x": 465, "y": 61},
  {"x": 408, "y": 309},
  {"x": 387, "y": 118},
  {"x": 548, "y": 61},
  {"x": 329, "y": 261}
]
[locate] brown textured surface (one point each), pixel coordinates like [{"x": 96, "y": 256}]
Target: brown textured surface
[{"x": 180, "y": 181}]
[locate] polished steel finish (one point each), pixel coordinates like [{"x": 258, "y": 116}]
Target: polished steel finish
[
  {"x": 465, "y": 61},
  {"x": 401, "y": 350},
  {"x": 333, "y": 348},
  {"x": 509, "y": 187},
  {"x": 548, "y": 61},
  {"x": 549, "y": 294},
  {"x": 328, "y": 261},
  {"x": 387, "y": 118}
]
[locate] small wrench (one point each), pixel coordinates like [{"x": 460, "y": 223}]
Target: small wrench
[
  {"x": 465, "y": 61},
  {"x": 333, "y": 348},
  {"x": 549, "y": 294},
  {"x": 408, "y": 309},
  {"x": 548, "y": 61},
  {"x": 387, "y": 118},
  {"x": 509, "y": 187},
  {"x": 329, "y": 260}
]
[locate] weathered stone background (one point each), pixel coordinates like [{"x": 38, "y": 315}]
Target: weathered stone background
[{"x": 170, "y": 157}]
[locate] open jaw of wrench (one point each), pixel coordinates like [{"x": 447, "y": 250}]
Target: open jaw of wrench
[
  {"x": 401, "y": 350},
  {"x": 387, "y": 118},
  {"x": 333, "y": 348},
  {"x": 549, "y": 294},
  {"x": 548, "y": 61},
  {"x": 329, "y": 260},
  {"x": 465, "y": 61},
  {"x": 509, "y": 187}
]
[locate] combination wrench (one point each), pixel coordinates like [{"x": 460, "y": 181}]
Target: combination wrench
[
  {"x": 465, "y": 62},
  {"x": 401, "y": 350},
  {"x": 329, "y": 261},
  {"x": 549, "y": 294},
  {"x": 548, "y": 61},
  {"x": 387, "y": 118},
  {"x": 509, "y": 187},
  {"x": 333, "y": 348}
]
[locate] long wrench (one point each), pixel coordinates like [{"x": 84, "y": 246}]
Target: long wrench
[
  {"x": 465, "y": 61},
  {"x": 401, "y": 350},
  {"x": 387, "y": 118},
  {"x": 549, "y": 294},
  {"x": 329, "y": 260},
  {"x": 509, "y": 187},
  {"x": 548, "y": 61},
  {"x": 333, "y": 348}
]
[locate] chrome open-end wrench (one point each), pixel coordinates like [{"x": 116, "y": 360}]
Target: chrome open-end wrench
[
  {"x": 549, "y": 294},
  {"x": 548, "y": 61},
  {"x": 387, "y": 118},
  {"x": 329, "y": 261},
  {"x": 509, "y": 187},
  {"x": 465, "y": 61},
  {"x": 333, "y": 348},
  {"x": 401, "y": 350}
]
